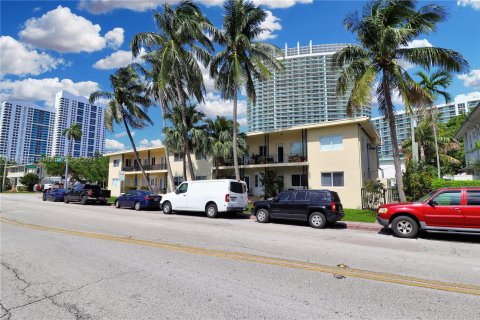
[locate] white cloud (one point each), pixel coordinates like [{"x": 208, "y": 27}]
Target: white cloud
[
  {"x": 396, "y": 98},
  {"x": 104, "y": 6},
  {"x": 64, "y": 31},
  {"x": 114, "y": 38},
  {"x": 118, "y": 59},
  {"x": 214, "y": 105},
  {"x": 44, "y": 89},
  {"x": 145, "y": 143},
  {"x": 472, "y": 79},
  {"x": 475, "y": 4},
  {"x": 124, "y": 134},
  {"x": 418, "y": 43},
  {"x": 114, "y": 145},
  {"x": 242, "y": 122},
  {"x": 468, "y": 96},
  {"x": 207, "y": 80},
  {"x": 272, "y": 24},
  {"x": 18, "y": 59}
]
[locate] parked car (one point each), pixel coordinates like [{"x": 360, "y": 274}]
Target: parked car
[
  {"x": 209, "y": 196},
  {"x": 138, "y": 199},
  {"x": 87, "y": 193},
  {"x": 54, "y": 195},
  {"x": 315, "y": 206},
  {"x": 448, "y": 209}
]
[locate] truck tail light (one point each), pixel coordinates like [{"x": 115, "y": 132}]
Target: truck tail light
[
  {"x": 334, "y": 207},
  {"x": 227, "y": 198}
]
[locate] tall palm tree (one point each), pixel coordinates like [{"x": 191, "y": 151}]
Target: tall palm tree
[
  {"x": 72, "y": 133},
  {"x": 127, "y": 104},
  {"x": 242, "y": 59},
  {"x": 432, "y": 84},
  {"x": 384, "y": 31},
  {"x": 218, "y": 141},
  {"x": 181, "y": 42},
  {"x": 193, "y": 132}
]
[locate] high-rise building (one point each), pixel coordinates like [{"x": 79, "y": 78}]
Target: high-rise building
[
  {"x": 446, "y": 111},
  {"x": 25, "y": 131},
  {"x": 304, "y": 93},
  {"x": 71, "y": 109}
]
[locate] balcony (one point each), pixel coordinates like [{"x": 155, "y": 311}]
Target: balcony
[
  {"x": 256, "y": 159},
  {"x": 146, "y": 167}
]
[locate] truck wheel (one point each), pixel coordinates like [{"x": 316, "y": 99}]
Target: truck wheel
[
  {"x": 138, "y": 206},
  {"x": 263, "y": 216},
  {"x": 167, "y": 207},
  {"x": 84, "y": 200},
  {"x": 404, "y": 227},
  {"x": 65, "y": 199},
  {"x": 317, "y": 220},
  {"x": 211, "y": 210}
]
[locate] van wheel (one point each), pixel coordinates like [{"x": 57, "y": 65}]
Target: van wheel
[
  {"x": 84, "y": 200},
  {"x": 167, "y": 207},
  {"x": 317, "y": 220},
  {"x": 211, "y": 210},
  {"x": 138, "y": 206},
  {"x": 263, "y": 216},
  {"x": 404, "y": 227}
]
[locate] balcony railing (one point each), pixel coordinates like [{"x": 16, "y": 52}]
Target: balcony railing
[
  {"x": 146, "y": 167},
  {"x": 268, "y": 159}
]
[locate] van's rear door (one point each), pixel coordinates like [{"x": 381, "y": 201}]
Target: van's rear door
[{"x": 238, "y": 194}]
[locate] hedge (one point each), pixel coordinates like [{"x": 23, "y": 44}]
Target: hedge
[{"x": 441, "y": 183}]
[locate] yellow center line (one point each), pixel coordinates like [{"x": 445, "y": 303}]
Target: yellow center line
[{"x": 279, "y": 262}]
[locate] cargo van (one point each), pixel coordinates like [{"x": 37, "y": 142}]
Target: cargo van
[{"x": 209, "y": 196}]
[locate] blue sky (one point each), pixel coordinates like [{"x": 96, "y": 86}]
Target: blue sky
[{"x": 48, "y": 46}]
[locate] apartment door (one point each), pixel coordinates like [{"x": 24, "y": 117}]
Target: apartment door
[{"x": 280, "y": 156}]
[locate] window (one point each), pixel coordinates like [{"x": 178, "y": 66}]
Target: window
[
  {"x": 153, "y": 182},
  {"x": 177, "y": 181},
  {"x": 238, "y": 187},
  {"x": 284, "y": 196},
  {"x": 319, "y": 196},
  {"x": 200, "y": 177},
  {"x": 301, "y": 196},
  {"x": 177, "y": 156},
  {"x": 153, "y": 161},
  {"x": 448, "y": 198},
  {"x": 128, "y": 163},
  {"x": 299, "y": 180},
  {"x": 332, "y": 179},
  {"x": 263, "y": 150},
  {"x": 330, "y": 143},
  {"x": 473, "y": 198},
  {"x": 296, "y": 148},
  {"x": 256, "y": 181},
  {"x": 183, "y": 188},
  {"x": 116, "y": 163}
]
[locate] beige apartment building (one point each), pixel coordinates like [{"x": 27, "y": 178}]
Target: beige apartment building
[{"x": 337, "y": 155}]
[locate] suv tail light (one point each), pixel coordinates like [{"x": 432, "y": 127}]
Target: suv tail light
[
  {"x": 227, "y": 198},
  {"x": 148, "y": 198},
  {"x": 334, "y": 207}
]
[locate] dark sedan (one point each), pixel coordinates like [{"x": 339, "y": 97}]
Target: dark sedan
[
  {"x": 54, "y": 195},
  {"x": 138, "y": 199}
]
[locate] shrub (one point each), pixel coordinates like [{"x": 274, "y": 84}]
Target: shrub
[
  {"x": 143, "y": 188},
  {"x": 22, "y": 189},
  {"x": 373, "y": 194},
  {"x": 417, "y": 180},
  {"x": 441, "y": 183}
]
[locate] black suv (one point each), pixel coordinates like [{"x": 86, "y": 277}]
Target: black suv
[{"x": 315, "y": 206}]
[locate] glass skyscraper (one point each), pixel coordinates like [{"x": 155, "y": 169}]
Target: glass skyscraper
[{"x": 305, "y": 92}]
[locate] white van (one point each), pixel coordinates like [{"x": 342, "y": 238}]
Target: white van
[{"x": 209, "y": 196}]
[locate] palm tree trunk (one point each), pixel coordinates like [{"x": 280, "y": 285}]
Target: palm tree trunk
[
  {"x": 137, "y": 157},
  {"x": 234, "y": 137},
  {"x": 216, "y": 168},
  {"x": 192, "y": 172},
  {"x": 439, "y": 174},
  {"x": 393, "y": 134},
  {"x": 184, "y": 160},
  {"x": 167, "y": 154},
  {"x": 182, "y": 101}
]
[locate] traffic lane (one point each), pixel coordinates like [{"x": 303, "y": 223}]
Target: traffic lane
[
  {"x": 456, "y": 262},
  {"x": 103, "y": 279}
]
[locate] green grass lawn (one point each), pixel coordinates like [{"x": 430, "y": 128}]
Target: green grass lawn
[
  {"x": 358, "y": 215},
  {"x": 112, "y": 199}
]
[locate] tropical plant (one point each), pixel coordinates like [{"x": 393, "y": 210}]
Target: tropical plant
[
  {"x": 181, "y": 42},
  {"x": 384, "y": 32},
  {"x": 272, "y": 184},
  {"x": 373, "y": 195},
  {"x": 127, "y": 104},
  {"x": 418, "y": 180},
  {"x": 241, "y": 59},
  {"x": 219, "y": 141},
  {"x": 193, "y": 132},
  {"x": 72, "y": 133},
  {"x": 29, "y": 180}
]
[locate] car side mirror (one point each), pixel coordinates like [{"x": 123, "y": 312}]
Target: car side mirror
[
  {"x": 177, "y": 191},
  {"x": 432, "y": 203}
]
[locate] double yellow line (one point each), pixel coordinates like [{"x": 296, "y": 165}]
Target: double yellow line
[{"x": 238, "y": 256}]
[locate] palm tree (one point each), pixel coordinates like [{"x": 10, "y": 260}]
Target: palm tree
[
  {"x": 127, "y": 105},
  {"x": 432, "y": 84},
  {"x": 193, "y": 133},
  {"x": 241, "y": 59},
  {"x": 218, "y": 142},
  {"x": 72, "y": 133},
  {"x": 181, "y": 42},
  {"x": 384, "y": 32}
]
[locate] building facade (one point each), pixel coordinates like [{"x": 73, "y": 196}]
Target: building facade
[
  {"x": 461, "y": 104},
  {"x": 470, "y": 132},
  {"x": 304, "y": 93},
  {"x": 337, "y": 155},
  {"x": 71, "y": 109},
  {"x": 25, "y": 131}
]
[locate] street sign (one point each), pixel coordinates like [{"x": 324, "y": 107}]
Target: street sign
[
  {"x": 121, "y": 176},
  {"x": 31, "y": 166}
]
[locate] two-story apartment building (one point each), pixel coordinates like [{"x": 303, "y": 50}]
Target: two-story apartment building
[
  {"x": 470, "y": 133},
  {"x": 337, "y": 155}
]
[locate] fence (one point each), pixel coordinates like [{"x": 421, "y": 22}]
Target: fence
[{"x": 371, "y": 200}]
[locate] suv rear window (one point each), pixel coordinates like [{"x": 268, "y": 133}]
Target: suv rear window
[{"x": 238, "y": 187}]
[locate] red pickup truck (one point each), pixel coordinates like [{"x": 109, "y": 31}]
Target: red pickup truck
[{"x": 448, "y": 209}]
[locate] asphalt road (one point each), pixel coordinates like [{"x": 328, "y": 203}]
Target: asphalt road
[{"x": 67, "y": 261}]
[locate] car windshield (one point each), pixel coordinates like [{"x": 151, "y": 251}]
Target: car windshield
[{"x": 425, "y": 197}]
